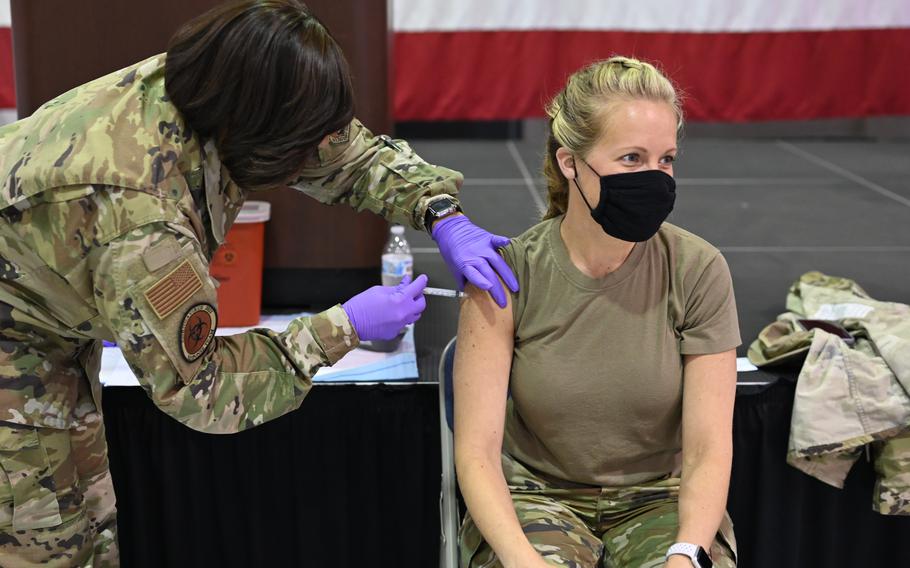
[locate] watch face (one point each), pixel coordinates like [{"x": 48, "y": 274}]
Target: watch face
[
  {"x": 703, "y": 559},
  {"x": 441, "y": 206}
]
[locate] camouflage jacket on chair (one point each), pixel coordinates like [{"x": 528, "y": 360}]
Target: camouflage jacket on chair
[
  {"x": 110, "y": 211},
  {"x": 851, "y": 392}
]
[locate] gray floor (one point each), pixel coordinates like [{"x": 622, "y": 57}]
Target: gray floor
[{"x": 775, "y": 208}]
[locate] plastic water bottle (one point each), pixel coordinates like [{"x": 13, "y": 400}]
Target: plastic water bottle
[
  {"x": 396, "y": 257},
  {"x": 397, "y": 262}
]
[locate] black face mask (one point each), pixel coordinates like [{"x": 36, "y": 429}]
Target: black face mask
[{"x": 632, "y": 206}]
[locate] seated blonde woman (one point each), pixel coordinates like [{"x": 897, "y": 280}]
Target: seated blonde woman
[{"x": 618, "y": 350}]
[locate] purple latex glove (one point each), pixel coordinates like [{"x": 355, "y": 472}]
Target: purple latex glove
[
  {"x": 470, "y": 253},
  {"x": 381, "y": 312}
]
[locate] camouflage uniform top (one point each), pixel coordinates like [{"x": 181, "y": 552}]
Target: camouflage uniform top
[
  {"x": 110, "y": 211},
  {"x": 851, "y": 393}
]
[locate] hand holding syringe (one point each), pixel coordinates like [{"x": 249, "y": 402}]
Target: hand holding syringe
[{"x": 388, "y": 346}]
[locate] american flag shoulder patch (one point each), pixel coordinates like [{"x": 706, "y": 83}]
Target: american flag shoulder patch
[{"x": 175, "y": 288}]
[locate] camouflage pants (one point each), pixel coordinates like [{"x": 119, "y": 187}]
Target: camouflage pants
[
  {"x": 586, "y": 527},
  {"x": 57, "y": 504}
]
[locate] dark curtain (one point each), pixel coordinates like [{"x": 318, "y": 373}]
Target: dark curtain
[
  {"x": 350, "y": 479},
  {"x": 785, "y": 518}
]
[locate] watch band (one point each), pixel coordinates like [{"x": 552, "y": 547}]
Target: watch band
[{"x": 693, "y": 552}]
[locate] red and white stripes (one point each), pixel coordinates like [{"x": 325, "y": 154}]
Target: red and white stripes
[
  {"x": 748, "y": 60},
  {"x": 735, "y": 61}
]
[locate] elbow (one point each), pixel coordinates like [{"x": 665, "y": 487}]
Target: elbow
[
  {"x": 207, "y": 423},
  {"x": 716, "y": 453},
  {"x": 470, "y": 459},
  {"x": 227, "y": 403},
  {"x": 199, "y": 413},
  {"x": 199, "y": 418},
  {"x": 463, "y": 458}
]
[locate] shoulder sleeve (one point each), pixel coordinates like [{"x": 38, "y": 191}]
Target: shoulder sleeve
[
  {"x": 154, "y": 293},
  {"x": 375, "y": 173},
  {"x": 514, "y": 255},
  {"x": 711, "y": 324}
]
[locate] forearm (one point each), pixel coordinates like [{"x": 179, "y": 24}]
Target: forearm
[
  {"x": 250, "y": 378},
  {"x": 151, "y": 289},
  {"x": 490, "y": 504},
  {"x": 378, "y": 174},
  {"x": 224, "y": 403},
  {"x": 703, "y": 496}
]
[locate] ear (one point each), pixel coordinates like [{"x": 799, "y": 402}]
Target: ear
[{"x": 566, "y": 161}]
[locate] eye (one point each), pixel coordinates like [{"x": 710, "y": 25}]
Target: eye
[
  {"x": 667, "y": 160},
  {"x": 630, "y": 158}
]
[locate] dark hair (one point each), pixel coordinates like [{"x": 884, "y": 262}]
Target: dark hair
[{"x": 265, "y": 80}]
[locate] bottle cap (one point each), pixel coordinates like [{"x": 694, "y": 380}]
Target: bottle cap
[{"x": 397, "y": 230}]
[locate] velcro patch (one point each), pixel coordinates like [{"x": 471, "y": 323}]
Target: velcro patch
[
  {"x": 173, "y": 289},
  {"x": 197, "y": 330},
  {"x": 161, "y": 254},
  {"x": 340, "y": 137}
]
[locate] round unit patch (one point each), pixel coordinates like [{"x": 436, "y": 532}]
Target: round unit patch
[{"x": 197, "y": 330}]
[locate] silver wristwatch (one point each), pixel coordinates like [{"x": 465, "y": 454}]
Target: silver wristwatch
[
  {"x": 439, "y": 209},
  {"x": 693, "y": 552}
]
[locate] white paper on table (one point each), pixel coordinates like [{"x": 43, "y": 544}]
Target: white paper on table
[
  {"x": 743, "y": 365},
  {"x": 834, "y": 312},
  {"x": 362, "y": 365},
  {"x": 359, "y": 365}
]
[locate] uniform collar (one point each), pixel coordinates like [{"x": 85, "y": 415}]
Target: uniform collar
[{"x": 223, "y": 197}]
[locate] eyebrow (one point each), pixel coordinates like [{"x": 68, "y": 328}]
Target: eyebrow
[{"x": 644, "y": 151}]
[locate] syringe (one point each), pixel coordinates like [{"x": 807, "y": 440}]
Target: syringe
[{"x": 430, "y": 291}]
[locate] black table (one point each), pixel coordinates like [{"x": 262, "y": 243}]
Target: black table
[{"x": 352, "y": 479}]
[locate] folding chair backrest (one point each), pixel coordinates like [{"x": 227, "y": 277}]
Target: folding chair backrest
[
  {"x": 446, "y": 374},
  {"x": 448, "y": 500}
]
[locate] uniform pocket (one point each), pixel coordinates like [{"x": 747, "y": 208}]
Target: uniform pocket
[{"x": 28, "y": 480}]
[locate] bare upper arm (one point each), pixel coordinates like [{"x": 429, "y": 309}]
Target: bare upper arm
[
  {"x": 709, "y": 391},
  {"x": 483, "y": 361}
]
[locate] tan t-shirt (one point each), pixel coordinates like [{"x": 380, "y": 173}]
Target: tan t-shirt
[{"x": 596, "y": 381}]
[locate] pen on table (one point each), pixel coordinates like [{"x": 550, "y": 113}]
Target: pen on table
[{"x": 430, "y": 291}]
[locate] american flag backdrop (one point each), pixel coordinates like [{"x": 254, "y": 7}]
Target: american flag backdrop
[
  {"x": 748, "y": 60},
  {"x": 736, "y": 61}
]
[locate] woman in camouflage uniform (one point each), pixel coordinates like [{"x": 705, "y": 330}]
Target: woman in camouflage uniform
[
  {"x": 114, "y": 197},
  {"x": 618, "y": 354}
]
